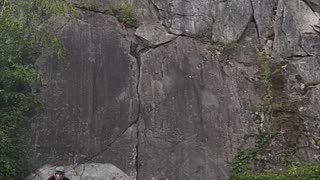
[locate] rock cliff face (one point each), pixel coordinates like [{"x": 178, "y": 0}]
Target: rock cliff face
[{"x": 172, "y": 98}]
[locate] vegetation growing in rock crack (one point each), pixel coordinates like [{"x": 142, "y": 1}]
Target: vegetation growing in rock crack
[
  {"x": 23, "y": 34},
  {"x": 224, "y": 46},
  {"x": 87, "y": 4},
  {"x": 125, "y": 13},
  {"x": 273, "y": 112}
]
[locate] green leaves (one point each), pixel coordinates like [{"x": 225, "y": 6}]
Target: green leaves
[
  {"x": 273, "y": 111},
  {"x": 54, "y": 7},
  {"x": 17, "y": 77},
  {"x": 126, "y": 14},
  {"x": 24, "y": 32},
  {"x": 304, "y": 171}
]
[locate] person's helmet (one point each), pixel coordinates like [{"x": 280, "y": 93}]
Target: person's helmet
[{"x": 60, "y": 169}]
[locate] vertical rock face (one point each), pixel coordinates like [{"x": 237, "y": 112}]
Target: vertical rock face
[
  {"x": 186, "y": 17},
  {"x": 297, "y": 43},
  {"x": 194, "y": 112},
  {"x": 230, "y": 19},
  {"x": 90, "y": 97},
  {"x": 171, "y": 99},
  {"x": 295, "y": 22},
  {"x": 263, "y": 15}
]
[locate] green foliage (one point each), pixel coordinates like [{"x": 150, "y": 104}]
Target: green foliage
[
  {"x": 272, "y": 112},
  {"x": 265, "y": 58},
  {"x": 88, "y": 4},
  {"x": 23, "y": 33},
  {"x": 241, "y": 163},
  {"x": 310, "y": 171},
  {"x": 224, "y": 46},
  {"x": 245, "y": 159},
  {"x": 126, "y": 14}
]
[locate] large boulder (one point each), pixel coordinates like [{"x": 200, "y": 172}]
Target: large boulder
[
  {"x": 91, "y": 171},
  {"x": 154, "y": 34}
]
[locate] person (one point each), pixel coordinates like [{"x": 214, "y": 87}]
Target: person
[{"x": 58, "y": 174}]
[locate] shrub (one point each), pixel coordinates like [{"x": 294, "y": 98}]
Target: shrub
[
  {"x": 22, "y": 27},
  {"x": 126, "y": 14}
]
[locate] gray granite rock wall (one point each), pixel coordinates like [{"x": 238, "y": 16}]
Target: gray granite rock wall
[{"x": 171, "y": 98}]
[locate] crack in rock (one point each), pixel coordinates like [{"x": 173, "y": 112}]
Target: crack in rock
[
  {"x": 254, "y": 21},
  {"x": 137, "y": 154},
  {"x": 83, "y": 169},
  {"x": 132, "y": 52},
  {"x": 122, "y": 132},
  {"x": 89, "y": 9},
  {"x": 308, "y": 86},
  {"x": 311, "y": 4},
  {"x": 153, "y": 34},
  {"x": 182, "y": 15},
  {"x": 299, "y": 57},
  {"x": 316, "y": 28},
  {"x": 162, "y": 44},
  {"x": 231, "y": 20},
  {"x": 107, "y": 146},
  {"x": 189, "y": 15},
  {"x": 138, "y": 60},
  {"x": 156, "y": 8}
]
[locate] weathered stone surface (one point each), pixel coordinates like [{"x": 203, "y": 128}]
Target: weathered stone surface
[
  {"x": 97, "y": 5},
  {"x": 311, "y": 43},
  {"x": 297, "y": 43},
  {"x": 308, "y": 70},
  {"x": 314, "y": 4},
  {"x": 303, "y": 82},
  {"x": 180, "y": 107},
  {"x": 195, "y": 111},
  {"x": 122, "y": 152},
  {"x": 154, "y": 34},
  {"x": 225, "y": 20},
  {"x": 300, "y": 47},
  {"x": 90, "y": 98},
  {"x": 294, "y": 20},
  {"x": 230, "y": 19},
  {"x": 91, "y": 171},
  {"x": 186, "y": 17},
  {"x": 146, "y": 12},
  {"x": 264, "y": 12},
  {"x": 245, "y": 51}
]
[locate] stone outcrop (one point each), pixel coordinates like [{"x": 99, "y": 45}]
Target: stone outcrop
[
  {"x": 154, "y": 34},
  {"x": 230, "y": 19},
  {"x": 185, "y": 17},
  {"x": 91, "y": 171},
  {"x": 295, "y": 23},
  {"x": 172, "y": 99}
]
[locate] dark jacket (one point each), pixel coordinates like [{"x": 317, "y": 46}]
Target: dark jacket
[{"x": 53, "y": 178}]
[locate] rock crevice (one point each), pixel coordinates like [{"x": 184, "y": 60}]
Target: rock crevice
[{"x": 171, "y": 98}]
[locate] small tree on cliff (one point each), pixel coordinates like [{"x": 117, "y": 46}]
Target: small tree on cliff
[{"x": 23, "y": 33}]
